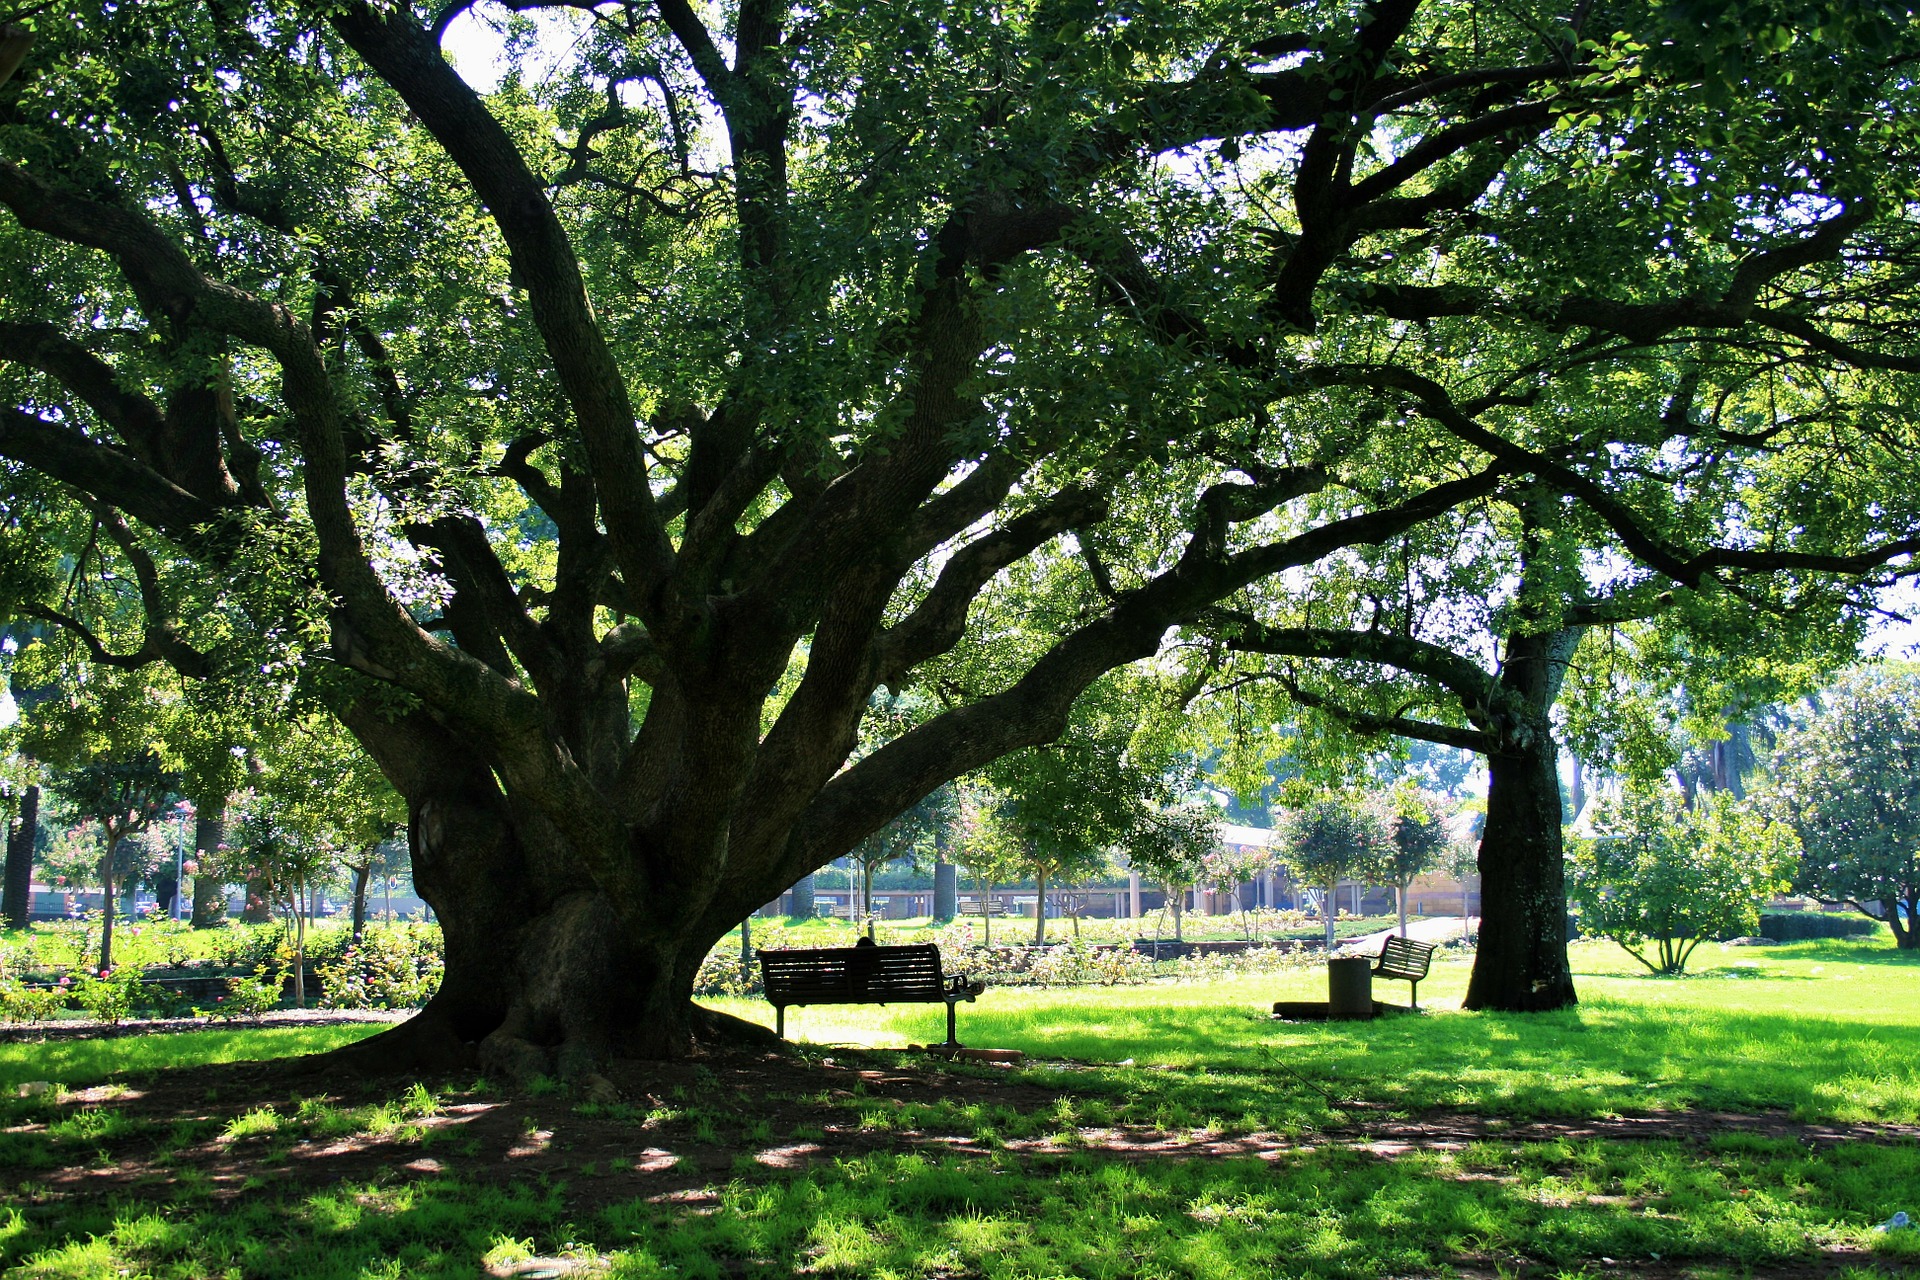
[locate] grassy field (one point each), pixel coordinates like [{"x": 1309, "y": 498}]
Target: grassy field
[{"x": 1740, "y": 1122}]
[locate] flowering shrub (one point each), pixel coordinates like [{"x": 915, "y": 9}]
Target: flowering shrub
[
  {"x": 251, "y": 997},
  {"x": 1076, "y": 963},
  {"x": 723, "y": 974},
  {"x": 238, "y": 946},
  {"x": 22, "y": 1003},
  {"x": 390, "y": 968},
  {"x": 110, "y": 997},
  {"x": 1206, "y": 967}
]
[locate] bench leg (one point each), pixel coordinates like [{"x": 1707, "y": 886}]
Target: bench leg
[
  {"x": 951, "y": 1042},
  {"x": 1415, "y": 984},
  {"x": 780, "y": 1021}
]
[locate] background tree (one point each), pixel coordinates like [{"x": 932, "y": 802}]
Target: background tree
[
  {"x": 1227, "y": 867},
  {"x": 1417, "y": 841},
  {"x": 1171, "y": 846},
  {"x": 122, "y": 798},
  {"x": 1333, "y": 838},
  {"x": 988, "y": 849},
  {"x": 608, "y": 481},
  {"x": 908, "y": 837},
  {"x": 1846, "y": 776},
  {"x": 20, "y": 805},
  {"x": 1657, "y": 873}
]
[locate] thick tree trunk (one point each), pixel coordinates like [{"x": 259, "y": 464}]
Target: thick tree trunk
[
  {"x": 259, "y": 904},
  {"x": 209, "y": 890},
  {"x": 1521, "y": 964},
  {"x": 19, "y": 873},
  {"x": 544, "y": 974},
  {"x": 946, "y": 892},
  {"x": 165, "y": 887},
  {"x": 803, "y": 908},
  {"x": 1906, "y": 933}
]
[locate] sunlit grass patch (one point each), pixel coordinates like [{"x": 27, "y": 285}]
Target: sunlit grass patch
[
  {"x": 1828, "y": 1030},
  {"x": 87, "y": 1061}
]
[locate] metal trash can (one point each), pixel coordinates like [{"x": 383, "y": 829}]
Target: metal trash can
[{"x": 1350, "y": 987}]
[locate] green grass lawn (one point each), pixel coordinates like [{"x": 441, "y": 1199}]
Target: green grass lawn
[
  {"x": 76, "y": 1063},
  {"x": 1024, "y": 1183},
  {"x": 1824, "y": 1030}
]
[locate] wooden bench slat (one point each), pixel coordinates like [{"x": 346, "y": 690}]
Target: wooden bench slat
[
  {"x": 860, "y": 975},
  {"x": 1407, "y": 959}
]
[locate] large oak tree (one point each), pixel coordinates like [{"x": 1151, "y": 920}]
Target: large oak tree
[{"x": 598, "y": 445}]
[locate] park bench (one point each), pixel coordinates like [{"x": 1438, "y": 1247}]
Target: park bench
[
  {"x": 864, "y": 974},
  {"x": 1406, "y": 959}
]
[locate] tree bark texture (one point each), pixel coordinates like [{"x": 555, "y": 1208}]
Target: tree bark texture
[
  {"x": 1906, "y": 932},
  {"x": 1521, "y": 964},
  {"x": 209, "y": 890},
  {"x": 362, "y": 876},
  {"x": 19, "y": 871},
  {"x": 803, "y": 902},
  {"x": 946, "y": 892}
]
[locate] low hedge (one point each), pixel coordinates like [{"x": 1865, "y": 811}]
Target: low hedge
[{"x": 1798, "y": 926}]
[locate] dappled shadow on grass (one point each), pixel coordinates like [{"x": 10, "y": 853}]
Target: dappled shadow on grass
[{"x": 1328, "y": 1212}]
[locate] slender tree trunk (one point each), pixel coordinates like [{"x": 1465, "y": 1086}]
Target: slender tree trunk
[
  {"x": 106, "y": 909},
  {"x": 1329, "y": 896},
  {"x": 1178, "y": 897},
  {"x": 1521, "y": 964},
  {"x": 746, "y": 941},
  {"x": 1040, "y": 908},
  {"x": 362, "y": 878},
  {"x": 1400, "y": 892},
  {"x": 866, "y": 895},
  {"x": 986, "y": 916},
  {"x": 18, "y": 893},
  {"x": 299, "y": 945}
]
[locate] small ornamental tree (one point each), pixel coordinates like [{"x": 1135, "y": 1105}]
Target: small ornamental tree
[
  {"x": 1417, "y": 841},
  {"x": 1663, "y": 879},
  {"x": 1229, "y": 865},
  {"x": 909, "y": 837},
  {"x": 1332, "y": 839},
  {"x": 123, "y": 798},
  {"x": 1847, "y": 778},
  {"x": 1172, "y": 846},
  {"x": 988, "y": 849}
]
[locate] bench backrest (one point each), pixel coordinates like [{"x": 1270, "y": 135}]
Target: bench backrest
[
  {"x": 802, "y": 975},
  {"x": 1405, "y": 958}
]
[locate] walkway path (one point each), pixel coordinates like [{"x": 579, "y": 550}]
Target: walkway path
[{"x": 1433, "y": 929}]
